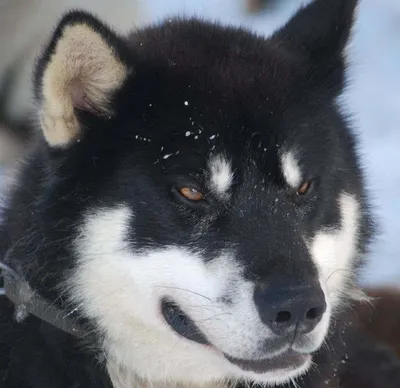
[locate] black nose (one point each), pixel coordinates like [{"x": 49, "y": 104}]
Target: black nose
[{"x": 289, "y": 307}]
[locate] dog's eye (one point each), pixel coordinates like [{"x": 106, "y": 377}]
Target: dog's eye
[
  {"x": 191, "y": 193},
  {"x": 303, "y": 188}
]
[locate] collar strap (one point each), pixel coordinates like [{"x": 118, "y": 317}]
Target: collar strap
[{"x": 18, "y": 291}]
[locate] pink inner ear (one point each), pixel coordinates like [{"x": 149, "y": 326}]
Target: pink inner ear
[{"x": 80, "y": 99}]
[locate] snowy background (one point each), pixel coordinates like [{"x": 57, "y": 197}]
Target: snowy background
[{"x": 374, "y": 98}]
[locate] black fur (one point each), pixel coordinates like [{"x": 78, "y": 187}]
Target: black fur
[{"x": 250, "y": 93}]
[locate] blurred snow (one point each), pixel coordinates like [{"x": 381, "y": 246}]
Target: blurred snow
[{"x": 373, "y": 97}]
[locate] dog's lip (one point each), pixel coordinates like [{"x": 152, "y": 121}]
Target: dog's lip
[
  {"x": 289, "y": 359},
  {"x": 181, "y": 323},
  {"x": 184, "y": 326}
]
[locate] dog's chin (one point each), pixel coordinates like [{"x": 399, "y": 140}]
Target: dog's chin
[
  {"x": 277, "y": 376},
  {"x": 278, "y": 368}
]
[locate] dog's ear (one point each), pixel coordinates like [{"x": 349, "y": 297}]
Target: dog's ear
[
  {"x": 320, "y": 30},
  {"x": 84, "y": 64}
]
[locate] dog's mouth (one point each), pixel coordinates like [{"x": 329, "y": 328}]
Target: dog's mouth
[
  {"x": 185, "y": 327},
  {"x": 287, "y": 360},
  {"x": 181, "y": 323}
]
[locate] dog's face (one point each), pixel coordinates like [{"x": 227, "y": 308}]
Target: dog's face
[{"x": 211, "y": 191}]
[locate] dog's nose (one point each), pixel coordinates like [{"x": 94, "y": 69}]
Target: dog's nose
[{"x": 290, "y": 307}]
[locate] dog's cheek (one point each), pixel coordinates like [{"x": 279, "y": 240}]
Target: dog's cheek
[{"x": 335, "y": 250}]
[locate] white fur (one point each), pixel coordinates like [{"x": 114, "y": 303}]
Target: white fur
[
  {"x": 221, "y": 176},
  {"x": 291, "y": 170},
  {"x": 121, "y": 290},
  {"x": 334, "y": 250}
]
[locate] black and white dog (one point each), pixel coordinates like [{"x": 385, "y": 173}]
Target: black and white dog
[{"x": 195, "y": 206}]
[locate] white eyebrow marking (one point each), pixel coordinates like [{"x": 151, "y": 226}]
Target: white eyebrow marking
[
  {"x": 221, "y": 175},
  {"x": 291, "y": 170}
]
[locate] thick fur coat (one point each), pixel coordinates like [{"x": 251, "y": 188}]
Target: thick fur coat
[{"x": 196, "y": 205}]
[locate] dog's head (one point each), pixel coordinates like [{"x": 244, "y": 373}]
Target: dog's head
[{"x": 200, "y": 200}]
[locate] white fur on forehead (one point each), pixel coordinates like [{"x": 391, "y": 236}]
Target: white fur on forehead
[
  {"x": 81, "y": 73},
  {"x": 290, "y": 169},
  {"x": 221, "y": 175}
]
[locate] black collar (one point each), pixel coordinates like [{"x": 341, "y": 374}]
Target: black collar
[{"x": 26, "y": 300}]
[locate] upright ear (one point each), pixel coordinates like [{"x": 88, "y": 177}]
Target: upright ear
[
  {"x": 84, "y": 64},
  {"x": 320, "y": 30}
]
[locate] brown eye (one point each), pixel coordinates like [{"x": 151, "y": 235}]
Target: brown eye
[
  {"x": 304, "y": 187},
  {"x": 191, "y": 194}
]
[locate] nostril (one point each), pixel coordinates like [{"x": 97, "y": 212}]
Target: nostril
[
  {"x": 290, "y": 306},
  {"x": 283, "y": 317},
  {"x": 314, "y": 313}
]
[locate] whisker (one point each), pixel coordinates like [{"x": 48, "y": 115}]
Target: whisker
[
  {"x": 335, "y": 271},
  {"x": 184, "y": 289},
  {"x": 213, "y": 317}
]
